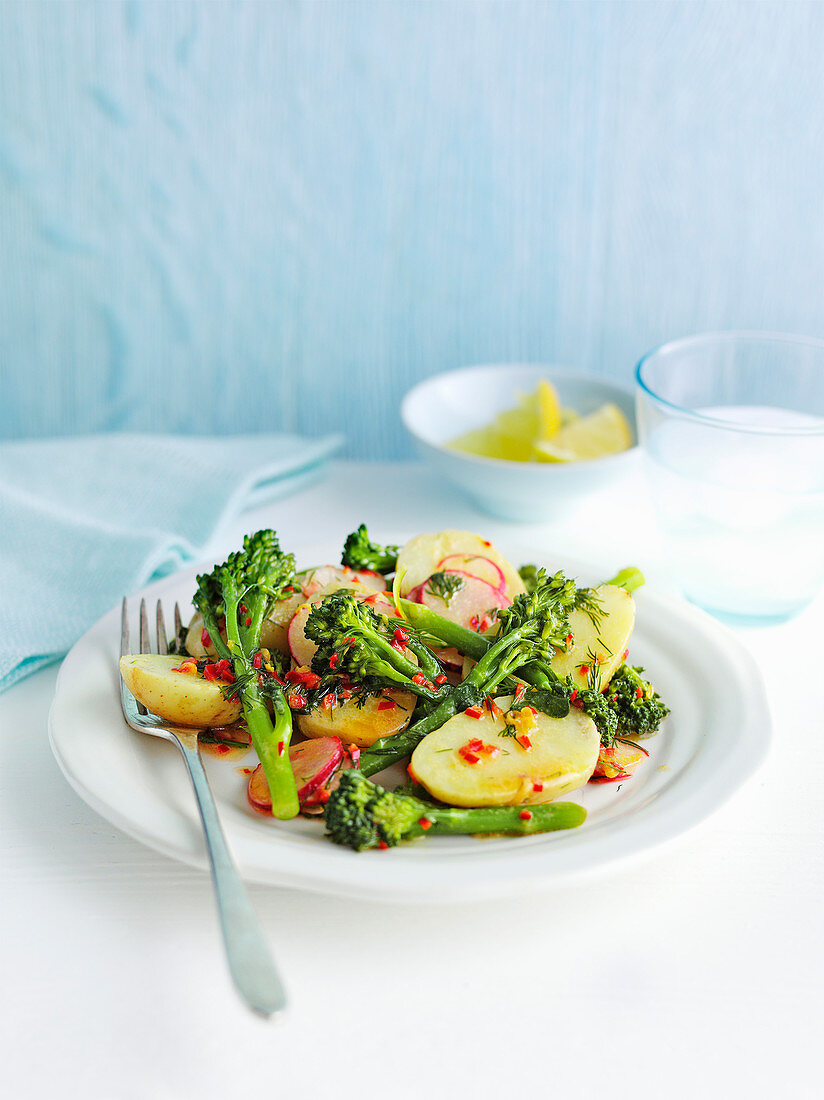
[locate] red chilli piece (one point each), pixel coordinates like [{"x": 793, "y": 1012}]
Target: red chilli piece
[
  {"x": 424, "y": 823},
  {"x": 537, "y": 787},
  {"x": 295, "y": 700},
  {"x": 386, "y": 704},
  {"x": 210, "y": 672},
  {"x": 520, "y": 692},
  {"x": 467, "y": 755},
  {"x": 224, "y": 671},
  {"x": 281, "y": 747},
  {"x": 333, "y": 661},
  {"x": 354, "y": 753},
  {"x": 329, "y": 700},
  {"x": 525, "y": 815},
  {"x": 524, "y": 741},
  {"x": 624, "y": 655},
  {"x": 401, "y": 636},
  {"x": 257, "y": 660},
  {"x": 419, "y": 679},
  {"x": 440, "y": 679},
  {"x": 475, "y": 745},
  {"x": 247, "y": 621},
  {"x": 584, "y": 670},
  {"x": 493, "y": 707},
  {"x": 638, "y": 693},
  {"x": 474, "y": 712},
  {"x": 383, "y": 845}
]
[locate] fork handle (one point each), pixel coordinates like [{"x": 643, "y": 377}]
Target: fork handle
[{"x": 247, "y": 952}]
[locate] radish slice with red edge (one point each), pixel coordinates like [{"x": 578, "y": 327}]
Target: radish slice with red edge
[
  {"x": 472, "y": 605},
  {"x": 325, "y": 576},
  {"x": 482, "y": 568},
  {"x": 302, "y": 649},
  {"x": 313, "y": 763}
]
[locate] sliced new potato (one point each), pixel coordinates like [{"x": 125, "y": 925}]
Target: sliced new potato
[
  {"x": 181, "y": 698},
  {"x": 562, "y": 756},
  {"x": 420, "y": 558},
  {"x": 605, "y": 638},
  {"x": 361, "y": 726}
]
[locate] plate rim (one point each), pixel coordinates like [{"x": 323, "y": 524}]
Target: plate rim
[{"x": 348, "y": 874}]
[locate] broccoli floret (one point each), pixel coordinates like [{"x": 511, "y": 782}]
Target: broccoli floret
[
  {"x": 597, "y": 707},
  {"x": 361, "y": 815},
  {"x": 527, "y": 635},
  {"x": 638, "y": 707},
  {"x": 529, "y": 575},
  {"x": 352, "y": 638},
  {"x": 359, "y": 552},
  {"x": 629, "y": 578},
  {"x": 244, "y": 589}
]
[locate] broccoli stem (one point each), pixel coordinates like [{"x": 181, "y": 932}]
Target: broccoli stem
[
  {"x": 271, "y": 743},
  {"x": 451, "y": 634},
  {"x": 270, "y": 740},
  {"x": 628, "y": 578},
  {"x": 511, "y": 820},
  {"x": 464, "y": 640}
]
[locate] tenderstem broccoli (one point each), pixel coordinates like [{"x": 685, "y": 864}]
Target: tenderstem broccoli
[
  {"x": 359, "y": 552},
  {"x": 528, "y": 633},
  {"x": 360, "y": 815},
  {"x": 244, "y": 589},
  {"x": 639, "y": 709}
]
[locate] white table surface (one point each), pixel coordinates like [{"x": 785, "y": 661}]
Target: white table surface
[{"x": 696, "y": 972}]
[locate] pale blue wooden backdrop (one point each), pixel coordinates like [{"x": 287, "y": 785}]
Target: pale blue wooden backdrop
[{"x": 235, "y": 216}]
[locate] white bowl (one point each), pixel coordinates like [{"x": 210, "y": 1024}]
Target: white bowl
[{"x": 447, "y": 405}]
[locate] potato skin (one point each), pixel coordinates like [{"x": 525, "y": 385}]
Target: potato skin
[
  {"x": 360, "y": 726},
  {"x": 563, "y": 756},
  {"x": 177, "y": 697}
]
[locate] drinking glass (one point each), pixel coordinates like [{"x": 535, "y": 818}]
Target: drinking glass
[{"x": 732, "y": 430}]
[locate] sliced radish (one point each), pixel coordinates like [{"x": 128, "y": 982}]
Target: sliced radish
[
  {"x": 313, "y": 763},
  {"x": 370, "y": 578},
  {"x": 419, "y": 558},
  {"x": 317, "y": 799},
  {"x": 327, "y": 576},
  {"x": 301, "y": 648},
  {"x": 483, "y": 568},
  {"x": 472, "y": 605},
  {"x": 617, "y": 762}
]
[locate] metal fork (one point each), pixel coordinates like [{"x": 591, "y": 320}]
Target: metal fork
[{"x": 248, "y": 955}]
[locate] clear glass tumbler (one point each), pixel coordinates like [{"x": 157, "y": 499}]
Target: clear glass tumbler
[{"x": 732, "y": 429}]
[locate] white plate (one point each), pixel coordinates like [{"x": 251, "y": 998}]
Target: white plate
[{"x": 714, "y": 740}]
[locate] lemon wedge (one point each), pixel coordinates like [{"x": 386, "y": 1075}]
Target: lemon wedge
[
  {"x": 488, "y": 443},
  {"x": 539, "y": 429},
  {"x": 514, "y": 432},
  {"x": 603, "y": 432},
  {"x": 550, "y": 414}
]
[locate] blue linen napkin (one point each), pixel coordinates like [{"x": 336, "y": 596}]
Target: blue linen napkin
[{"x": 85, "y": 520}]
